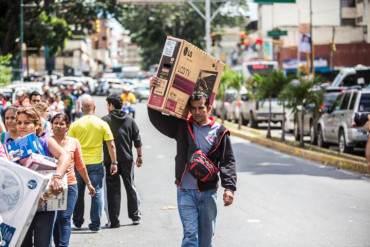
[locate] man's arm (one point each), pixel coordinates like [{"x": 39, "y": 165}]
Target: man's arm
[
  {"x": 113, "y": 156},
  {"x": 167, "y": 125},
  {"x": 228, "y": 171}
]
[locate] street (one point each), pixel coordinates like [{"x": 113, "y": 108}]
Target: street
[{"x": 281, "y": 201}]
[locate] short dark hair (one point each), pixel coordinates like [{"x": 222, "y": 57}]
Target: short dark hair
[
  {"x": 34, "y": 93},
  {"x": 198, "y": 95},
  {"x": 62, "y": 116},
  {"x": 115, "y": 100}
]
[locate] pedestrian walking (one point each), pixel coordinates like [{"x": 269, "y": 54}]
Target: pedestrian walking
[
  {"x": 201, "y": 143},
  {"x": 91, "y": 132},
  {"x": 62, "y": 228},
  {"x": 126, "y": 134}
]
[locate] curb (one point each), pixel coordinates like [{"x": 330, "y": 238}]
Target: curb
[{"x": 357, "y": 165}]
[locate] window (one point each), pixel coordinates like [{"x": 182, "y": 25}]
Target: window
[
  {"x": 349, "y": 81},
  {"x": 244, "y": 97},
  {"x": 348, "y": 22},
  {"x": 345, "y": 101},
  {"x": 348, "y": 3},
  {"x": 364, "y": 105},
  {"x": 353, "y": 101},
  {"x": 336, "y": 105}
]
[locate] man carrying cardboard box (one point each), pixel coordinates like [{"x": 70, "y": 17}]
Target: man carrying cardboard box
[{"x": 204, "y": 154}]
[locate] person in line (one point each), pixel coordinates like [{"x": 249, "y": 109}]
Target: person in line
[
  {"x": 40, "y": 231},
  {"x": 35, "y": 97},
  {"x": 9, "y": 116},
  {"x": 62, "y": 228},
  {"x": 91, "y": 132},
  {"x": 196, "y": 198},
  {"x": 126, "y": 134},
  {"x": 42, "y": 109}
]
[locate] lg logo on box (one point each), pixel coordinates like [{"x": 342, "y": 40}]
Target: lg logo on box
[{"x": 188, "y": 52}]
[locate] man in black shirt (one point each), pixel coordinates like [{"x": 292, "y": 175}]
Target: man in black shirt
[{"x": 126, "y": 134}]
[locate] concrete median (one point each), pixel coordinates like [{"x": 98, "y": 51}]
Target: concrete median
[{"x": 332, "y": 158}]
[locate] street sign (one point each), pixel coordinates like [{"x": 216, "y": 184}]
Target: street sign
[
  {"x": 276, "y": 33},
  {"x": 273, "y": 1}
]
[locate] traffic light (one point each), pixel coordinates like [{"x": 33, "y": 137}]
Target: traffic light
[{"x": 97, "y": 26}]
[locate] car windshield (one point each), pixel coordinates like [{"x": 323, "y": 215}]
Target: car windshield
[
  {"x": 364, "y": 105},
  {"x": 329, "y": 98},
  {"x": 229, "y": 97}
]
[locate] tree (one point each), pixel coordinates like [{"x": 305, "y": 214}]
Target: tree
[
  {"x": 5, "y": 70},
  {"x": 269, "y": 87},
  {"x": 149, "y": 26},
  {"x": 299, "y": 94},
  {"x": 49, "y": 22}
]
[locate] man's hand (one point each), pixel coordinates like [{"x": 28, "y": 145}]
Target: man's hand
[
  {"x": 113, "y": 169},
  {"x": 91, "y": 189},
  {"x": 154, "y": 81},
  {"x": 228, "y": 197},
  {"x": 139, "y": 161}
]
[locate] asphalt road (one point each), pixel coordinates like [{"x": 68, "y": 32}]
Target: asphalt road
[{"x": 281, "y": 201}]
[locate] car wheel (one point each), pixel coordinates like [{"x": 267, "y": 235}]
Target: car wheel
[
  {"x": 320, "y": 138},
  {"x": 313, "y": 137},
  {"x": 342, "y": 142}
]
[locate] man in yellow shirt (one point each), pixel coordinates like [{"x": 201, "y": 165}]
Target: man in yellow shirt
[
  {"x": 128, "y": 99},
  {"x": 91, "y": 132}
]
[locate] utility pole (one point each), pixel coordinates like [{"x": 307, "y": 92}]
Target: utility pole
[
  {"x": 21, "y": 40},
  {"x": 208, "y": 17},
  {"x": 312, "y": 69},
  {"x": 208, "y": 26}
]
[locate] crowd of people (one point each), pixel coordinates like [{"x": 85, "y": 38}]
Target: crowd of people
[
  {"x": 93, "y": 151},
  {"x": 68, "y": 130}
]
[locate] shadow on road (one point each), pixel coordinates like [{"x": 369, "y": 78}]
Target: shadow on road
[{"x": 259, "y": 160}]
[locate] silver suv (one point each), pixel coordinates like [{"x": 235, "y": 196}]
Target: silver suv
[{"x": 338, "y": 126}]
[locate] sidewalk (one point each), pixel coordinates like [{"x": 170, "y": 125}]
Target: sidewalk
[{"x": 310, "y": 152}]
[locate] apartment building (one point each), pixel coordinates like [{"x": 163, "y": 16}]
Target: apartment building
[{"x": 340, "y": 31}]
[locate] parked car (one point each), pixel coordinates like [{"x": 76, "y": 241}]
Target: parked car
[
  {"x": 337, "y": 125},
  {"x": 330, "y": 97},
  {"x": 224, "y": 109},
  {"x": 255, "y": 112},
  {"x": 355, "y": 76},
  {"x": 141, "y": 92}
]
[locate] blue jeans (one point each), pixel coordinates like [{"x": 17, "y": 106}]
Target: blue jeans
[
  {"x": 198, "y": 211},
  {"x": 41, "y": 230},
  {"x": 62, "y": 227},
  {"x": 96, "y": 174}
]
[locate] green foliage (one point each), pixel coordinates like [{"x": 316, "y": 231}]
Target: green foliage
[
  {"x": 229, "y": 79},
  {"x": 5, "y": 70},
  {"x": 269, "y": 86},
  {"x": 149, "y": 26},
  {"x": 301, "y": 93},
  {"x": 49, "y": 22}
]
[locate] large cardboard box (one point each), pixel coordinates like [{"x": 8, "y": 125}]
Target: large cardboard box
[
  {"x": 20, "y": 191},
  {"x": 183, "y": 69}
]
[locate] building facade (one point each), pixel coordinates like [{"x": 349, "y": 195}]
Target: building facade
[{"x": 340, "y": 31}]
